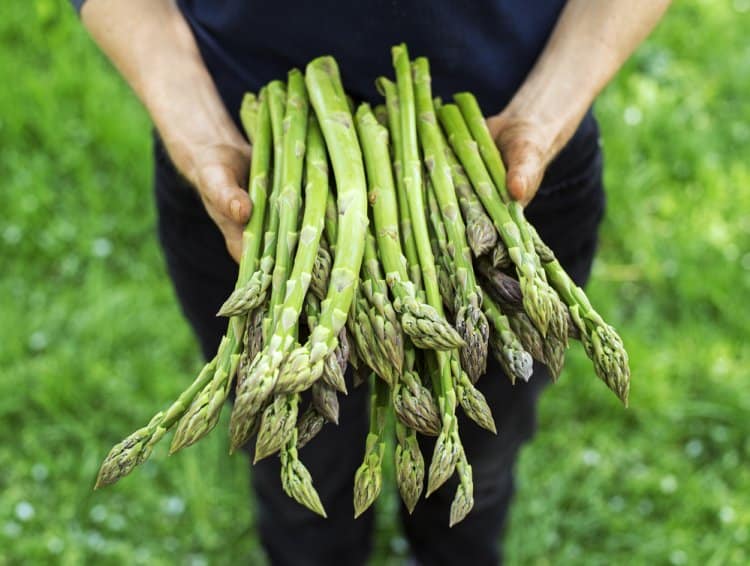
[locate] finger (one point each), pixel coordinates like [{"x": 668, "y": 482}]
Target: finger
[
  {"x": 524, "y": 162},
  {"x": 232, "y": 233},
  {"x": 222, "y": 190}
]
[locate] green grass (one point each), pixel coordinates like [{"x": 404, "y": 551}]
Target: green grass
[{"x": 93, "y": 342}]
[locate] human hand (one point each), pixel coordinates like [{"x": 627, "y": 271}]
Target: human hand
[
  {"x": 526, "y": 148},
  {"x": 219, "y": 173}
]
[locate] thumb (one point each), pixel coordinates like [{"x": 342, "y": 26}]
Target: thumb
[
  {"x": 222, "y": 191},
  {"x": 525, "y": 168}
]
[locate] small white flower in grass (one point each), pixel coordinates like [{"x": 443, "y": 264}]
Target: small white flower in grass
[
  {"x": 694, "y": 448},
  {"x": 590, "y": 457},
  {"x": 632, "y": 115},
  {"x": 727, "y": 514},
  {"x": 668, "y": 484},
  {"x": 24, "y": 511},
  {"x": 678, "y": 557},
  {"x": 101, "y": 247}
]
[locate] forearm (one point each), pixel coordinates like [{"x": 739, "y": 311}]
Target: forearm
[
  {"x": 152, "y": 46},
  {"x": 589, "y": 44}
]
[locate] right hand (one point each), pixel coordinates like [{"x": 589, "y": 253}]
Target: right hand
[{"x": 219, "y": 173}]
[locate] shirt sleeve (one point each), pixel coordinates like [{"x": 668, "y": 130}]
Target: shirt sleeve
[{"x": 77, "y": 4}]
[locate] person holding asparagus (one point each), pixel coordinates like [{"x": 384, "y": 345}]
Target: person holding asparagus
[{"x": 535, "y": 69}]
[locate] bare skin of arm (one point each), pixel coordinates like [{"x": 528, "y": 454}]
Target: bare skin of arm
[
  {"x": 152, "y": 46},
  {"x": 590, "y": 42}
]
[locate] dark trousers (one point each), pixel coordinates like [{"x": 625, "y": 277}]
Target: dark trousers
[{"x": 566, "y": 212}]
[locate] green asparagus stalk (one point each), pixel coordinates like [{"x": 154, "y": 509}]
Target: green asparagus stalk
[
  {"x": 463, "y": 501},
  {"x": 325, "y": 401},
  {"x": 515, "y": 361},
  {"x": 470, "y": 320},
  {"x": 600, "y": 340},
  {"x": 470, "y": 398},
  {"x": 249, "y": 114},
  {"x": 440, "y": 249},
  {"x": 448, "y": 443},
  {"x": 309, "y": 424},
  {"x": 305, "y": 364},
  {"x": 204, "y": 411},
  {"x": 296, "y": 479},
  {"x": 383, "y": 318},
  {"x": 480, "y": 232},
  {"x": 290, "y": 196},
  {"x": 421, "y": 322},
  {"x": 265, "y": 369},
  {"x": 137, "y": 447},
  {"x": 321, "y": 273},
  {"x": 253, "y": 292},
  {"x": 390, "y": 91},
  {"x": 413, "y": 403},
  {"x": 331, "y": 223},
  {"x": 540, "y": 301},
  {"x": 409, "y": 464},
  {"x": 474, "y": 118},
  {"x": 368, "y": 478},
  {"x": 486, "y": 145}
]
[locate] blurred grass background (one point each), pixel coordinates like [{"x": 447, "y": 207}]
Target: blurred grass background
[{"x": 92, "y": 342}]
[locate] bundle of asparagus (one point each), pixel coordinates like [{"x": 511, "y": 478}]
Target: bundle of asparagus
[{"x": 411, "y": 264}]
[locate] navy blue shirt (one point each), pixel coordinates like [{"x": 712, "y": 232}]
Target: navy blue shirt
[{"x": 484, "y": 46}]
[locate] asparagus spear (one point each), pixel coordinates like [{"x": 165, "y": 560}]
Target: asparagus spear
[
  {"x": 204, "y": 411},
  {"x": 485, "y": 144},
  {"x": 540, "y": 301},
  {"x": 368, "y": 478},
  {"x": 409, "y": 464},
  {"x": 600, "y": 340},
  {"x": 296, "y": 479},
  {"x": 470, "y": 320},
  {"x": 448, "y": 443},
  {"x": 515, "y": 361},
  {"x": 421, "y": 322},
  {"x": 249, "y": 114},
  {"x": 321, "y": 273},
  {"x": 265, "y": 369},
  {"x": 390, "y": 91},
  {"x": 253, "y": 292},
  {"x": 305, "y": 364},
  {"x": 136, "y": 448},
  {"x": 463, "y": 501},
  {"x": 309, "y": 425}
]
